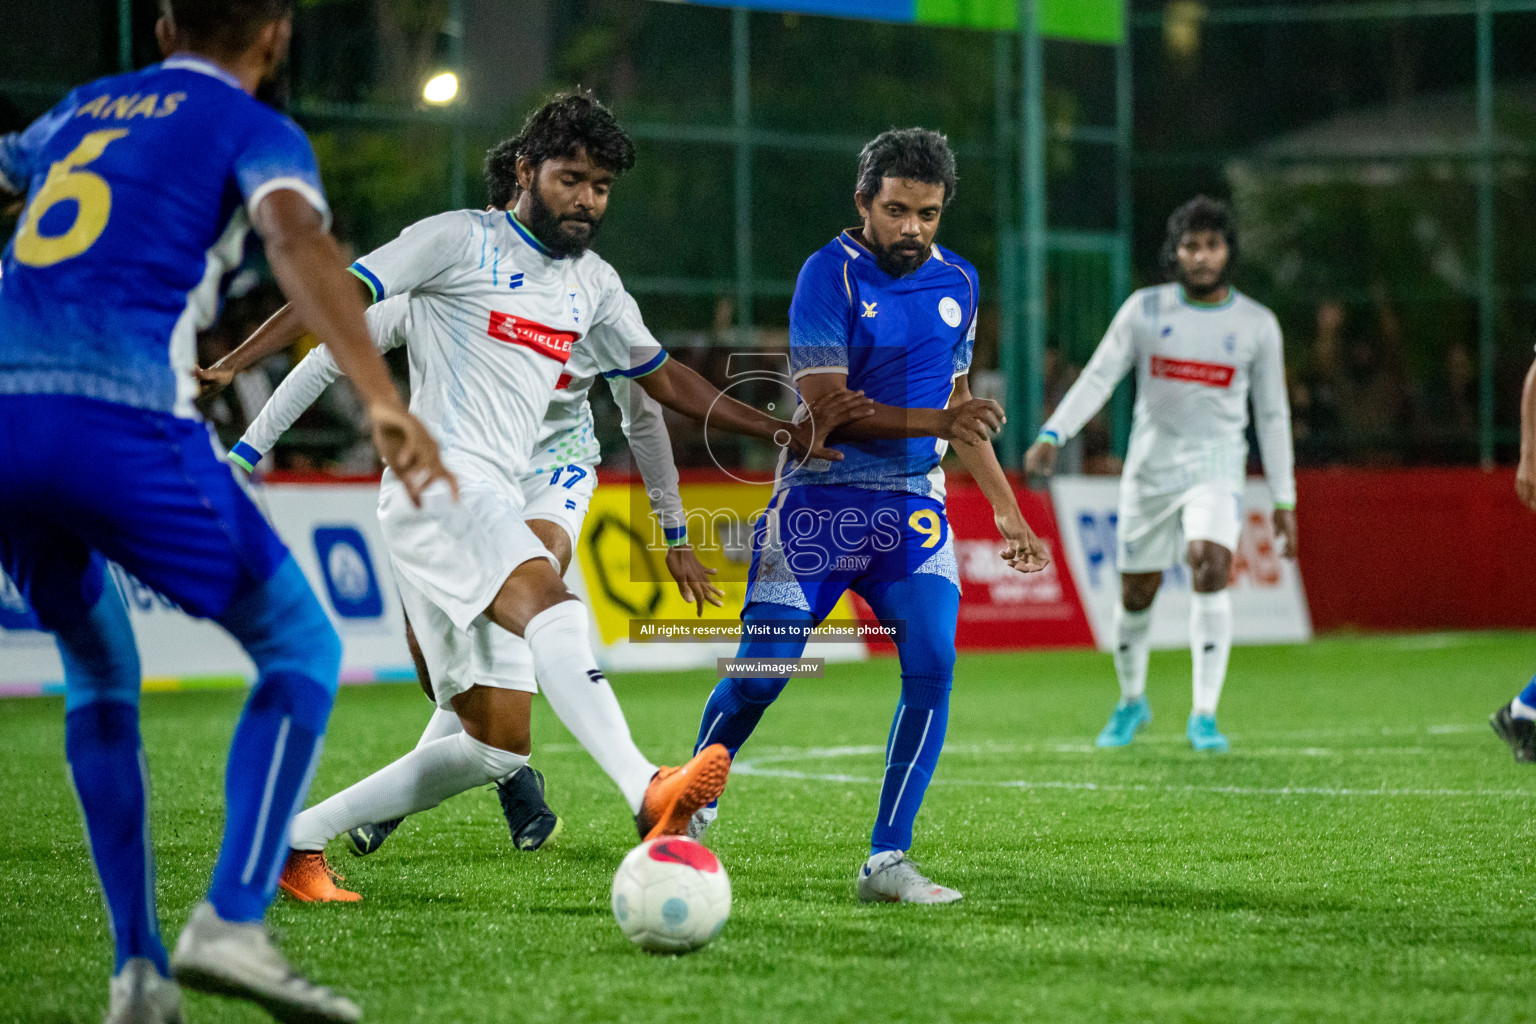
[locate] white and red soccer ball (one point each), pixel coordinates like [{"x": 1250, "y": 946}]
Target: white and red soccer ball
[{"x": 670, "y": 895}]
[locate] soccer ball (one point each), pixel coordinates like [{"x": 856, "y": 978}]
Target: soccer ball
[{"x": 671, "y": 895}]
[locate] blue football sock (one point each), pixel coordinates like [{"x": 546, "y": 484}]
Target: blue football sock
[
  {"x": 109, "y": 773},
  {"x": 1528, "y": 695},
  {"x": 277, "y": 741},
  {"x": 929, "y": 605},
  {"x": 911, "y": 755},
  {"x": 737, "y": 705}
]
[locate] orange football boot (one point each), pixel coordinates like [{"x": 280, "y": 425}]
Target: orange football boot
[
  {"x": 675, "y": 793},
  {"x": 309, "y": 879}
]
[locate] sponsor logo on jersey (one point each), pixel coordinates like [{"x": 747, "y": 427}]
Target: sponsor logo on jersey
[
  {"x": 1212, "y": 375},
  {"x": 531, "y": 334},
  {"x": 869, "y": 309},
  {"x": 563, "y": 383},
  {"x": 515, "y": 281}
]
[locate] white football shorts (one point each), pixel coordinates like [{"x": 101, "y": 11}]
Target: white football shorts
[
  {"x": 1155, "y": 529},
  {"x": 561, "y": 495},
  {"x": 449, "y": 565}
]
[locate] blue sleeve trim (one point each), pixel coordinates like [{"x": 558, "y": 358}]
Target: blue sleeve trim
[
  {"x": 367, "y": 277},
  {"x": 649, "y": 366},
  {"x": 244, "y": 456},
  {"x": 676, "y": 535}
]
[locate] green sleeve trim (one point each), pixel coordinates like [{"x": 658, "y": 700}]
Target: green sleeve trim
[
  {"x": 239, "y": 461},
  {"x": 1285, "y": 506},
  {"x": 1049, "y": 437}
]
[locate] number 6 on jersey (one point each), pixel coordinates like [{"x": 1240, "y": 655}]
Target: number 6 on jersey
[{"x": 65, "y": 181}]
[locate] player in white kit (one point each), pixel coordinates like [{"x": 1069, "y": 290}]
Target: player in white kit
[
  {"x": 557, "y": 491},
  {"x": 504, "y": 304},
  {"x": 1201, "y": 351}
]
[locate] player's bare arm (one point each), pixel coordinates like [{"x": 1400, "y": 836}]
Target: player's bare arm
[
  {"x": 1024, "y": 551},
  {"x": 974, "y": 421},
  {"x": 693, "y": 578},
  {"x": 683, "y": 391},
  {"x": 309, "y": 269},
  {"x": 1525, "y": 475}
]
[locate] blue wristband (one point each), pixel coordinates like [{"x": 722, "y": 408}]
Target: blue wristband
[
  {"x": 1050, "y": 437},
  {"x": 676, "y": 536},
  {"x": 244, "y": 456}
]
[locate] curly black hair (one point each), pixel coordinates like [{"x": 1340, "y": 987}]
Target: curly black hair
[
  {"x": 918, "y": 154},
  {"x": 1201, "y": 213},
  {"x": 223, "y": 28},
  {"x": 569, "y": 122}
]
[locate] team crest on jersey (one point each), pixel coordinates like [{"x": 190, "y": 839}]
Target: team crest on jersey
[
  {"x": 950, "y": 311},
  {"x": 530, "y": 334}
]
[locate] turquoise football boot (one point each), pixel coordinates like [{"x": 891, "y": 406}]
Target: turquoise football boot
[
  {"x": 1202, "y": 733},
  {"x": 1128, "y": 718}
]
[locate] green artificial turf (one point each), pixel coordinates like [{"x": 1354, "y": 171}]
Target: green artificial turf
[{"x": 1363, "y": 854}]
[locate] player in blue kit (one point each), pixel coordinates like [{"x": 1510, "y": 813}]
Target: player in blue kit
[
  {"x": 141, "y": 190},
  {"x": 1515, "y": 722},
  {"x": 883, "y": 310}
]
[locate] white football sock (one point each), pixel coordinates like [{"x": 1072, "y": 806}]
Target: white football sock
[
  {"x": 1210, "y": 644},
  {"x": 581, "y": 697},
  {"x": 442, "y": 723},
  {"x": 1520, "y": 709},
  {"x": 1133, "y": 646},
  {"x": 416, "y": 782}
]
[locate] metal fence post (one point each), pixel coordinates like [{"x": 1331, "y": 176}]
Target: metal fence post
[
  {"x": 1487, "y": 296},
  {"x": 1125, "y": 114},
  {"x": 1028, "y": 412},
  {"x": 741, "y": 108}
]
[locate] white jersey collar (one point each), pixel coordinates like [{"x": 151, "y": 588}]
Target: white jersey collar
[{"x": 202, "y": 65}]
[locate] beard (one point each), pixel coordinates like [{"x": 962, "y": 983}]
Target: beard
[
  {"x": 549, "y": 229},
  {"x": 1200, "y": 292},
  {"x": 900, "y": 259}
]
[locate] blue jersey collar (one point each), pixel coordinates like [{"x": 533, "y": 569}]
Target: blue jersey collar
[
  {"x": 528, "y": 237},
  {"x": 202, "y": 65}
]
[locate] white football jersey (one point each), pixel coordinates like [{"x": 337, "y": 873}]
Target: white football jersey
[
  {"x": 619, "y": 350},
  {"x": 494, "y": 321},
  {"x": 1196, "y": 366}
]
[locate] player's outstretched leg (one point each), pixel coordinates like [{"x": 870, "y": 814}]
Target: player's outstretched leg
[
  {"x": 930, "y": 605},
  {"x": 422, "y": 779},
  {"x": 737, "y": 705},
  {"x": 535, "y": 604},
  {"x": 111, "y": 778},
  {"x": 1515, "y": 724},
  {"x": 225, "y": 948}
]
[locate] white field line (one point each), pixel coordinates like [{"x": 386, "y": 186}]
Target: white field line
[{"x": 758, "y": 767}]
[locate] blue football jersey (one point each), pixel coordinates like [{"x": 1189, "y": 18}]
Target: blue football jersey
[
  {"x": 902, "y": 341},
  {"x": 138, "y": 190}
]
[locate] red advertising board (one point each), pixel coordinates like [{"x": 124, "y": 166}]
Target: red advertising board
[{"x": 1002, "y": 609}]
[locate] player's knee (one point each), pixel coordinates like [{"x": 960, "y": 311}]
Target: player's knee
[
  {"x": 759, "y": 691},
  {"x": 1138, "y": 590},
  {"x": 101, "y": 660},
  {"x": 926, "y": 692},
  {"x": 283, "y": 628},
  {"x": 1210, "y": 566}
]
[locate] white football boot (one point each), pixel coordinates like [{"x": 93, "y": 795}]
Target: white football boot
[
  {"x": 700, "y": 822},
  {"x": 239, "y": 960},
  {"x": 139, "y": 995},
  {"x": 890, "y": 877}
]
